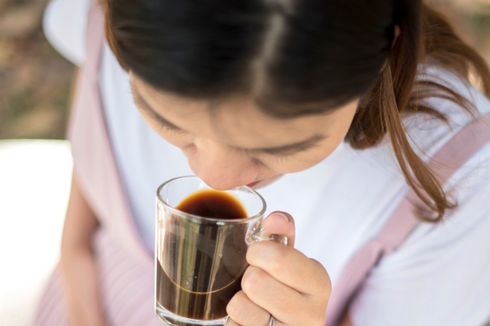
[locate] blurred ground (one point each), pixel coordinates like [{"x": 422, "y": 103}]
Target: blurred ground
[{"x": 35, "y": 81}]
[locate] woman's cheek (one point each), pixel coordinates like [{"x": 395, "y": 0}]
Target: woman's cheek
[
  {"x": 176, "y": 138},
  {"x": 179, "y": 141},
  {"x": 288, "y": 165}
]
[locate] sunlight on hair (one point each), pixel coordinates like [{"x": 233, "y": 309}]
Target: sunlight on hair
[
  {"x": 272, "y": 37},
  {"x": 475, "y": 79}
]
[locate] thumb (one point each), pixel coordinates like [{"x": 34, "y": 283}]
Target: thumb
[{"x": 280, "y": 223}]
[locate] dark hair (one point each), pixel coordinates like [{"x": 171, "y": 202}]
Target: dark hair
[{"x": 300, "y": 57}]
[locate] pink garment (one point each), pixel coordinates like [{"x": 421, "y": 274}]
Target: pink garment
[
  {"x": 126, "y": 268},
  {"x": 445, "y": 163}
]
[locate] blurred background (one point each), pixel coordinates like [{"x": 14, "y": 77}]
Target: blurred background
[{"x": 35, "y": 81}]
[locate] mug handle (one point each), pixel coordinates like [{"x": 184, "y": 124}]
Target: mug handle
[{"x": 256, "y": 234}]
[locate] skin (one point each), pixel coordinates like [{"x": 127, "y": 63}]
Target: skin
[
  {"x": 232, "y": 144},
  {"x": 78, "y": 261}
]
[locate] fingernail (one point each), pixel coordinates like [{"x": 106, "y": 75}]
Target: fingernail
[{"x": 285, "y": 216}]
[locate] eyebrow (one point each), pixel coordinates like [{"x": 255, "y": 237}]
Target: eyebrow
[
  {"x": 278, "y": 150},
  {"x": 147, "y": 108}
]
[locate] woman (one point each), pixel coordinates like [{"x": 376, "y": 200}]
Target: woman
[{"x": 333, "y": 109}]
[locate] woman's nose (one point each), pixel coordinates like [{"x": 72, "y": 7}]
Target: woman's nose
[{"x": 222, "y": 167}]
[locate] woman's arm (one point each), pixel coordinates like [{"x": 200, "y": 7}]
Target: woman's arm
[
  {"x": 78, "y": 263},
  {"x": 347, "y": 321},
  {"x": 80, "y": 223}
]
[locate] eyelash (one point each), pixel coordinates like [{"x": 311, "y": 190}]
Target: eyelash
[
  {"x": 278, "y": 156},
  {"x": 282, "y": 156},
  {"x": 165, "y": 127}
]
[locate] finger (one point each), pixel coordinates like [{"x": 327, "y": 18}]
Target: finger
[
  {"x": 231, "y": 322},
  {"x": 280, "y": 223},
  {"x": 273, "y": 296},
  {"x": 244, "y": 312},
  {"x": 289, "y": 266}
]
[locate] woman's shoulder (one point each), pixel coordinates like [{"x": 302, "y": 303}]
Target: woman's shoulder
[
  {"x": 419, "y": 273},
  {"x": 469, "y": 186},
  {"x": 64, "y": 26},
  {"x": 450, "y": 80},
  {"x": 427, "y": 133}
]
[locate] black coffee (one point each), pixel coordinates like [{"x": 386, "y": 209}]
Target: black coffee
[
  {"x": 203, "y": 262},
  {"x": 213, "y": 204}
]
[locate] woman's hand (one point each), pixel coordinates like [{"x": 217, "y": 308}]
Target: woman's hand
[{"x": 280, "y": 281}]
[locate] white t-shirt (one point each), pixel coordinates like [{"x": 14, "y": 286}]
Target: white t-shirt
[{"x": 439, "y": 276}]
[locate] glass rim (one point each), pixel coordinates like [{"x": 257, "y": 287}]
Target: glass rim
[{"x": 210, "y": 219}]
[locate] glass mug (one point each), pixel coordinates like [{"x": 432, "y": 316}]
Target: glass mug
[{"x": 201, "y": 241}]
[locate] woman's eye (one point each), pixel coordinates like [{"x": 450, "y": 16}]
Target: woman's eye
[
  {"x": 170, "y": 129},
  {"x": 269, "y": 157},
  {"x": 278, "y": 157},
  {"x": 287, "y": 155}
]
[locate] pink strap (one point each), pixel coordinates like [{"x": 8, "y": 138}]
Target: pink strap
[
  {"x": 94, "y": 39},
  {"x": 445, "y": 162},
  {"x": 94, "y": 160}
]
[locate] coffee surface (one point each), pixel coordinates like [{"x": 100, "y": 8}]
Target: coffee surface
[{"x": 213, "y": 204}]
